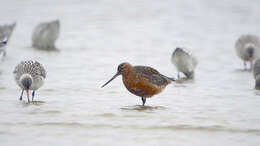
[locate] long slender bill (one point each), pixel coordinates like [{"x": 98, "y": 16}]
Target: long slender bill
[
  {"x": 28, "y": 95},
  {"x": 251, "y": 64},
  {"x": 117, "y": 74}
]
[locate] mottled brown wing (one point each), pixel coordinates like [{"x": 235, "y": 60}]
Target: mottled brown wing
[
  {"x": 146, "y": 70},
  {"x": 152, "y": 75}
]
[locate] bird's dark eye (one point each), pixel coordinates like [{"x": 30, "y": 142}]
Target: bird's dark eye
[{"x": 120, "y": 68}]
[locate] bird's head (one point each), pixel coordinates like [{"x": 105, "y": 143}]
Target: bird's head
[
  {"x": 4, "y": 42},
  {"x": 122, "y": 69},
  {"x": 250, "y": 51},
  {"x": 26, "y": 82}
]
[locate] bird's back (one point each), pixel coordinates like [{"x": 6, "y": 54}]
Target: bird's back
[
  {"x": 183, "y": 60},
  {"x": 6, "y": 30},
  {"x": 153, "y": 76},
  {"x": 45, "y": 35},
  {"x": 33, "y": 68},
  {"x": 245, "y": 39},
  {"x": 243, "y": 42}
]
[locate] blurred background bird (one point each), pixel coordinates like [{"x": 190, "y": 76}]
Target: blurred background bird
[
  {"x": 45, "y": 35},
  {"x": 5, "y": 34},
  {"x": 248, "y": 49},
  {"x": 184, "y": 61}
]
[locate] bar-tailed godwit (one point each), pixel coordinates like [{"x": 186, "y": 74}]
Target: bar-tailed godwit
[
  {"x": 29, "y": 75},
  {"x": 142, "y": 81}
]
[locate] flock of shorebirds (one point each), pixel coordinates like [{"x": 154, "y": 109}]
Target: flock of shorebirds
[{"x": 143, "y": 81}]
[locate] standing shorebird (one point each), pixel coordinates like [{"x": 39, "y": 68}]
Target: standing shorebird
[
  {"x": 142, "y": 81},
  {"x": 45, "y": 35},
  {"x": 7, "y": 30},
  {"x": 29, "y": 75},
  {"x": 248, "y": 48},
  {"x": 5, "y": 34},
  {"x": 184, "y": 61},
  {"x": 257, "y": 73}
]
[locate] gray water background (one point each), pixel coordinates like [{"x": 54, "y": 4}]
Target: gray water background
[{"x": 220, "y": 107}]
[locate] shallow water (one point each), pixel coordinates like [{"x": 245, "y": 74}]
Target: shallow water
[{"x": 220, "y": 107}]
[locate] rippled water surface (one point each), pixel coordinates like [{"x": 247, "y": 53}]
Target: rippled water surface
[{"x": 220, "y": 107}]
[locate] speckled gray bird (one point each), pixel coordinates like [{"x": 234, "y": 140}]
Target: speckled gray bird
[
  {"x": 29, "y": 75},
  {"x": 248, "y": 48}
]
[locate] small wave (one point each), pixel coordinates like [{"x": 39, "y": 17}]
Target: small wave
[
  {"x": 242, "y": 70},
  {"x": 184, "y": 80},
  {"x": 143, "y": 108},
  {"x": 49, "y": 90},
  {"x": 214, "y": 128},
  {"x": 49, "y": 112},
  {"x": 36, "y": 103},
  {"x": 107, "y": 115},
  {"x": 52, "y": 112}
]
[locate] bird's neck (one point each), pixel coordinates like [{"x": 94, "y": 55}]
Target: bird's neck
[
  {"x": 25, "y": 76},
  {"x": 129, "y": 70},
  {"x": 26, "y": 80},
  {"x": 129, "y": 77}
]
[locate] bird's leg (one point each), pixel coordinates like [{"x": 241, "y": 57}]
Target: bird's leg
[
  {"x": 4, "y": 53},
  {"x": 144, "y": 100},
  {"x": 33, "y": 93},
  {"x": 21, "y": 97},
  {"x": 178, "y": 75},
  {"x": 28, "y": 97},
  {"x": 245, "y": 65}
]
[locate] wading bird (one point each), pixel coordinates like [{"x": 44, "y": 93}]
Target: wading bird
[
  {"x": 184, "y": 61},
  {"x": 29, "y": 75},
  {"x": 248, "y": 48},
  {"x": 142, "y": 81}
]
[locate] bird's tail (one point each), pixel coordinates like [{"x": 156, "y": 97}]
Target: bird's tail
[{"x": 171, "y": 79}]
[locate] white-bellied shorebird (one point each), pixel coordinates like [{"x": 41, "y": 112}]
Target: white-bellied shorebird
[
  {"x": 6, "y": 30},
  {"x": 29, "y": 75},
  {"x": 142, "y": 81},
  {"x": 248, "y": 48},
  {"x": 45, "y": 35},
  {"x": 5, "y": 34},
  {"x": 184, "y": 61}
]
